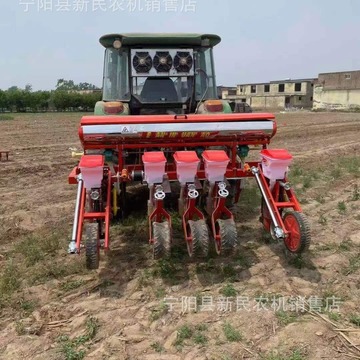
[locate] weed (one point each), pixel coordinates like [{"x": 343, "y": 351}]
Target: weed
[
  {"x": 334, "y": 316},
  {"x": 320, "y": 199},
  {"x": 341, "y": 207},
  {"x": 160, "y": 293},
  {"x": 231, "y": 333},
  {"x": 183, "y": 333},
  {"x": 296, "y": 171},
  {"x": 355, "y": 319},
  {"x": 69, "y": 347},
  {"x": 297, "y": 261},
  {"x": 160, "y": 311},
  {"x": 285, "y": 318},
  {"x": 201, "y": 327},
  {"x": 71, "y": 285},
  {"x": 242, "y": 260},
  {"x": 164, "y": 269},
  {"x": 346, "y": 245},
  {"x": 51, "y": 269},
  {"x": 351, "y": 164},
  {"x": 307, "y": 182},
  {"x": 34, "y": 248},
  {"x": 335, "y": 173},
  {"x": 354, "y": 265},
  {"x": 157, "y": 347},
  {"x": 228, "y": 291},
  {"x": 27, "y": 306},
  {"x": 294, "y": 355},
  {"x": 322, "y": 219},
  {"x": 200, "y": 339},
  {"x": 20, "y": 328},
  {"x": 229, "y": 272},
  {"x": 9, "y": 280},
  {"x": 356, "y": 193},
  {"x": 144, "y": 278}
]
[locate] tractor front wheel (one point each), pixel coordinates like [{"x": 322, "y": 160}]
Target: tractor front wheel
[
  {"x": 297, "y": 225},
  {"x": 200, "y": 238},
  {"x": 162, "y": 239},
  {"x": 92, "y": 245}
]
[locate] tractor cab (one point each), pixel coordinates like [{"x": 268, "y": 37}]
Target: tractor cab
[{"x": 158, "y": 74}]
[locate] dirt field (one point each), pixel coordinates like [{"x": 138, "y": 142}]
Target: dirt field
[{"x": 136, "y": 308}]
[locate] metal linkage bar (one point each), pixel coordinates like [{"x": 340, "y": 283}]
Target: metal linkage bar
[
  {"x": 73, "y": 249},
  {"x": 107, "y": 212},
  {"x": 279, "y": 228}
]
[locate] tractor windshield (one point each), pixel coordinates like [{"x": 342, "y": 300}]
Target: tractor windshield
[
  {"x": 205, "y": 85},
  {"x": 159, "y": 76},
  {"x": 116, "y": 76}
]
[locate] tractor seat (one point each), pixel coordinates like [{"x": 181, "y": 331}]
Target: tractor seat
[{"x": 157, "y": 89}]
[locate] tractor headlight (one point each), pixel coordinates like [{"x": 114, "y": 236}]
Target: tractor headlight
[
  {"x": 95, "y": 194},
  {"x": 117, "y": 44}
]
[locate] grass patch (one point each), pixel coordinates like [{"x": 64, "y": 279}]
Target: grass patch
[
  {"x": 71, "y": 285},
  {"x": 157, "y": 347},
  {"x": 183, "y": 333},
  {"x": 354, "y": 265},
  {"x": 355, "y": 194},
  {"x": 35, "y": 247},
  {"x": 320, "y": 199},
  {"x": 322, "y": 220},
  {"x": 47, "y": 270},
  {"x": 355, "y": 319},
  {"x": 228, "y": 291},
  {"x": 285, "y": 318},
  {"x": 20, "y": 328},
  {"x": 231, "y": 334},
  {"x": 6, "y": 117},
  {"x": 187, "y": 332},
  {"x": 294, "y": 355},
  {"x": 160, "y": 293},
  {"x": 160, "y": 311},
  {"x": 75, "y": 349},
  {"x": 200, "y": 339},
  {"x": 9, "y": 283},
  {"x": 346, "y": 245},
  {"x": 334, "y": 316},
  {"x": 341, "y": 207}
]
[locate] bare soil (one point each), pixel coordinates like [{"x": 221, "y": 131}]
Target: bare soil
[{"x": 52, "y": 308}]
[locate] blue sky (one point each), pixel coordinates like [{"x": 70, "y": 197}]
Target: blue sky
[{"x": 262, "y": 40}]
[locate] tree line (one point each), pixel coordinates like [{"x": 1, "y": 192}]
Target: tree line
[{"x": 67, "y": 96}]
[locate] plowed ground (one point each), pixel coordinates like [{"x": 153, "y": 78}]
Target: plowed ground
[{"x": 52, "y": 308}]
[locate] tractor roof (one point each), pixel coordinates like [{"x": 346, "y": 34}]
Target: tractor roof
[{"x": 167, "y": 39}]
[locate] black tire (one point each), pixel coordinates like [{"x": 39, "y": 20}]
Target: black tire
[
  {"x": 299, "y": 238},
  {"x": 162, "y": 240},
  {"x": 228, "y": 236},
  {"x": 200, "y": 236},
  {"x": 92, "y": 245}
]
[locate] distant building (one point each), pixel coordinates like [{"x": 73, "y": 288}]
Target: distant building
[
  {"x": 225, "y": 90},
  {"x": 274, "y": 94},
  {"x": 337, "y": 90}
]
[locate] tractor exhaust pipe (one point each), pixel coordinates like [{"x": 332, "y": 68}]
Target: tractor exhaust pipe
[
  {"x": 72, "y": 246},
  {"x": 278, "y": 231}
]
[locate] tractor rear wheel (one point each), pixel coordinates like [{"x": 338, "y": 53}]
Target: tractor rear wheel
[
  {"x": 228, "y": 236},
  {"x": 199, "y": 231},
  {"x": 162, "y": 239},
  {"x": 299, "y": 237},
  {"x": 92, "y": 245}
]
